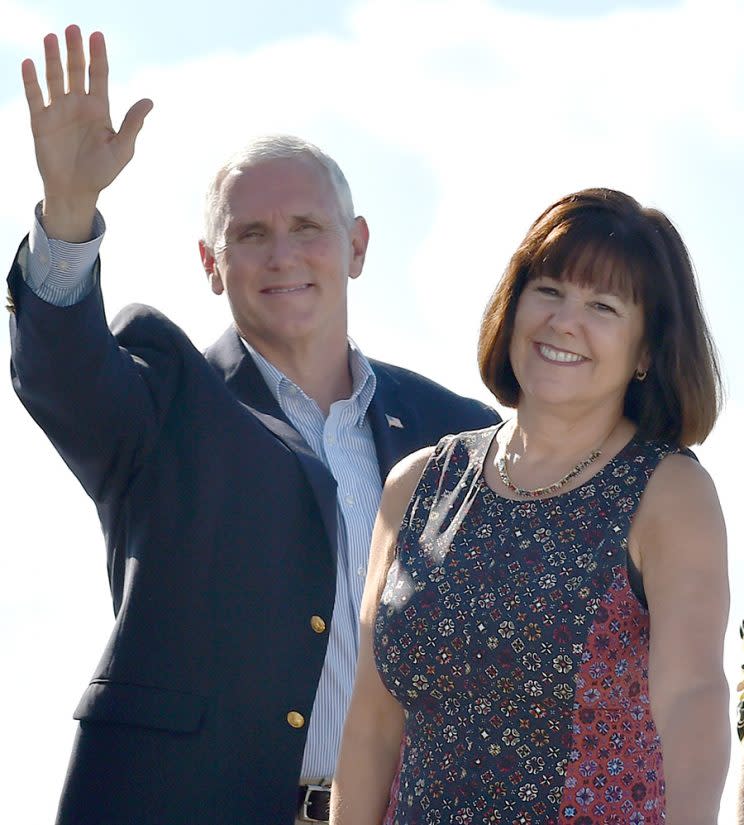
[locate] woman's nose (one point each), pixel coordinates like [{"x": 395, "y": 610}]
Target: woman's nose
[{"x": 565, "y": 316}]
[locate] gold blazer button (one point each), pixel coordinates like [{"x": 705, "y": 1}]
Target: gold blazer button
[
  {"x": 296, "y": 720},
  {"x": 317, "y": 624}
]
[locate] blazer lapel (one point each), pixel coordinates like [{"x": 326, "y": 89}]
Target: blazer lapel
[
  {"x": 241, "y": 375},
  {"x": 395, "y": 423}
]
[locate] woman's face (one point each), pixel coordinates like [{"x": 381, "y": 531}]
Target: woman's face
[{"x": 574, "y": 345}]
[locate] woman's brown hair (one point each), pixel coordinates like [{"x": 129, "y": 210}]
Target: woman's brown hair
[{"x": 604, "y": 238}]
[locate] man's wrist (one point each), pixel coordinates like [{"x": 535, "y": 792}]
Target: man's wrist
[{"x": 68, "y": 219}]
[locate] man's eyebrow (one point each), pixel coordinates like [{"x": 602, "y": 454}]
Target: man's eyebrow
[
  {"x": 236, "y": 227},
  {"x": 311, "y": 217}
]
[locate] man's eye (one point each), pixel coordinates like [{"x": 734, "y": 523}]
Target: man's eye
[{"x": 250, "y": 235}]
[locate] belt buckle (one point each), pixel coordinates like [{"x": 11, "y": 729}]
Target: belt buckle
[{"x": 310, "y": 789}]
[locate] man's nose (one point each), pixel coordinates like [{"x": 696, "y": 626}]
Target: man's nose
[{"x": 281, "y": 250}]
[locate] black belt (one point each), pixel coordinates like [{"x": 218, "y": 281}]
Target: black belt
[{"x": 313, "y": 803}]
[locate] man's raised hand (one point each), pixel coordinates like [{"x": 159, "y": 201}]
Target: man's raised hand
[{"x": 77, "y": 150}]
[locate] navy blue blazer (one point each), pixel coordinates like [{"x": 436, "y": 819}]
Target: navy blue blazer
[{"x": 220, "y": 532}]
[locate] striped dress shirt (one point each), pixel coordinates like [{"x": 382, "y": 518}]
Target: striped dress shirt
[{"x": 61, "y": 273}]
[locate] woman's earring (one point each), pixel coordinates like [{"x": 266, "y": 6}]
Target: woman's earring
[{"x": 640, "y": 375}]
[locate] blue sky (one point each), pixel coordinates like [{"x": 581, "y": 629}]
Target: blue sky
[{"x": 457, "y": 122}]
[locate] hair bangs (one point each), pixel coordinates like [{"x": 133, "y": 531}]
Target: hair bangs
[{"x": 592, "y": 254}]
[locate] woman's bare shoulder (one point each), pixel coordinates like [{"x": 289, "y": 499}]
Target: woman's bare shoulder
[
  {"x": 680, "y": 515},
  {"x": 680, "y": 481},
  {"x": 402, "y": 480}
]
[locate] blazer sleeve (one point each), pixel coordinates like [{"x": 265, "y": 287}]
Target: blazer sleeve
[{"x": 101, "y": 401}]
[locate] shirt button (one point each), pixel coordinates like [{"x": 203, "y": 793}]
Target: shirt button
[
  {"x": 63, "y": 266},
  {"x": 317, "y": 624},
  {"x": 349, "y": 498},
  {"x": 361, "y": 571},
  {"x": 331, "y": 439},
  {"x": 295, "y": 719}
]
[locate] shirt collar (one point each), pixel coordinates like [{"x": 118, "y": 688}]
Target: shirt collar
[{"x": 363, "y": 378}]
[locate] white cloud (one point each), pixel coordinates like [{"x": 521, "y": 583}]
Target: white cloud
[{"x": 21, "y": 24}]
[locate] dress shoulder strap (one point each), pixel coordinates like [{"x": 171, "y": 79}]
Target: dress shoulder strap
[{"x": 445, "y": 492}]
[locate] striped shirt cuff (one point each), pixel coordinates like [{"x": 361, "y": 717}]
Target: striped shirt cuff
[{"x": 62, "y": 273}]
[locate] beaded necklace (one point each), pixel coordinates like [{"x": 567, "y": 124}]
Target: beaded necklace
[
  {"x": 556, "y": 485},
  {"x": 551, "y": 488}
]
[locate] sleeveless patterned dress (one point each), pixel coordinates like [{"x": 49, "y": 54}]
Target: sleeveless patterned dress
[{"x": 511, "y": 635}]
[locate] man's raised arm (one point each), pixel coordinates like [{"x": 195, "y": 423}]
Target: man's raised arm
[{"x": 77, "y": 150}]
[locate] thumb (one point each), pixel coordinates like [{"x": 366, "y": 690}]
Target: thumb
[{"x": 132, "y": 123}]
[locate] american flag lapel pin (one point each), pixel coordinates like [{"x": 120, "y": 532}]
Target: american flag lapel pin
[{"x": 394, "y": 422}]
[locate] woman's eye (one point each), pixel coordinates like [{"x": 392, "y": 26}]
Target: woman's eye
[
  {"x": 547, "y": 290},
  {"x": 604, "y": 307}
]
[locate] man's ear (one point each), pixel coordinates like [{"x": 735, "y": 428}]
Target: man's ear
[
  {"x": 210, "y": 267},
  {"x": 359, "y": 241}
]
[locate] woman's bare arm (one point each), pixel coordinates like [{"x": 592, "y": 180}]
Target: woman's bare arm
[
  {"x": 680, "y": 537},
  {"x": 370, "y": 748}
]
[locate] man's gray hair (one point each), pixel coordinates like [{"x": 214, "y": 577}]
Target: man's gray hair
[{"x": 270, "y": 147}]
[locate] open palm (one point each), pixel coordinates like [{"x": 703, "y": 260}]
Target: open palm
[{"x": 77, "y": 150}]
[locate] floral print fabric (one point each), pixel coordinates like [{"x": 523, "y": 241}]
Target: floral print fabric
[{"x": 509, "y": 632}]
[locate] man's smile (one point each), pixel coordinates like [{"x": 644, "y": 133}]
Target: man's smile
[{"x": 284, "y": 290}]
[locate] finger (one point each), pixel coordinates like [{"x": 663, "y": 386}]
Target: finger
[
  {"x": 75, "y": 60},
  {"x": 54, "y": 77},
  {"x": 98, "y": 70},
  {"x": 31, "y": 87},
  {"x": 132, "y": 123}
]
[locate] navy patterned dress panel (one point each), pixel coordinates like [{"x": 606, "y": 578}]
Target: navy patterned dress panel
[{"x": 510, "y": 634}]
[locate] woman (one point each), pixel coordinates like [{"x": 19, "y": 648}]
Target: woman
[{"x": 543, "y": 619}]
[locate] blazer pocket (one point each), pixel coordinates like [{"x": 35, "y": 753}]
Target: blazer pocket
[{"x": 141, "y": 705}]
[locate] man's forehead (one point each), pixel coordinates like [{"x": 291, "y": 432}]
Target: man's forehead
[
  {"x": 278, "y": 177},
  {"x": 288, "y": 188}
]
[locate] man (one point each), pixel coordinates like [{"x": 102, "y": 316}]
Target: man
[{"x": 236, "y": 489}]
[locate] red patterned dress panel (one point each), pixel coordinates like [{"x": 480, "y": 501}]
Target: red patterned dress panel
[
  {"x": 509, "y": 633},
  {"x": 615, "y": 771}
]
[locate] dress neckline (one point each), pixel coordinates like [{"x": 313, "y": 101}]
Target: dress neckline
[{"x": 489, "y": 438}]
